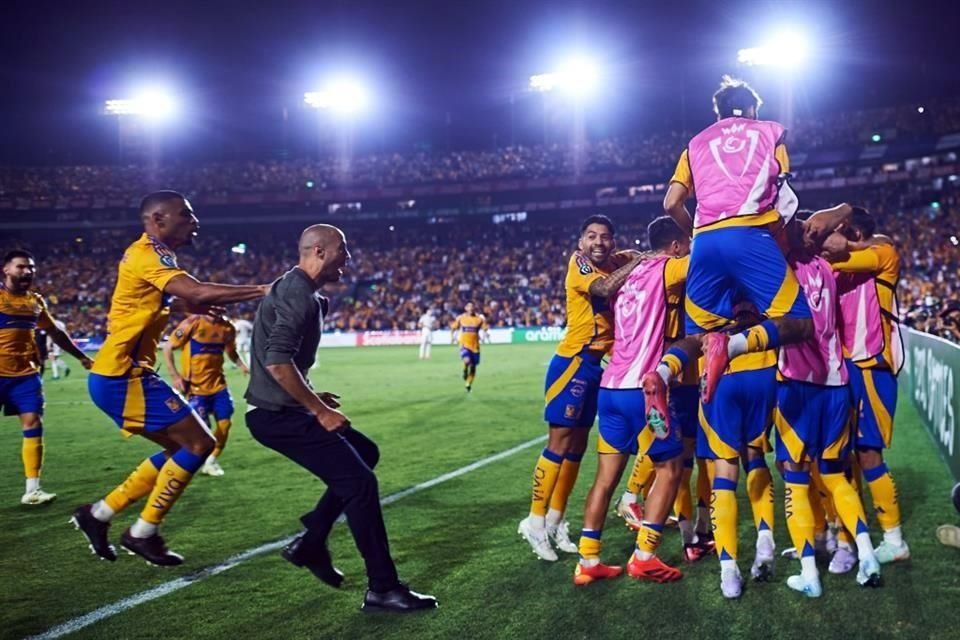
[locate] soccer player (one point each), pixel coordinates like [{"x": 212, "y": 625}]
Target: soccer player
[
  {"x": 646, "y": 314},
  {"x": 56, "y": 362},
  {"x": 736, "y": 168},
  {"x": 869, "y": 269},
  {"x": 244, "y": 333},
  {"x": 427, "y": 323},
  {"x": 466, "y": 330},
  {"x": 572, "y": 383},
  {"x": 812, "y": 419},
  {"x": 124, "y": 385},
  {"x": 203, "y": 341},
  {"x": 22, "y": 312}
]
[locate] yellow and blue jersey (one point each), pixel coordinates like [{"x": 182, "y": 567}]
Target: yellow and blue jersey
[
  {"x": 470, "y": 326},
  {"x": 139, "y": 309},
  {"x": 589, "y": 318},
  {"x": 203, "y": 341},
  {"x": 20, "y": 316}
]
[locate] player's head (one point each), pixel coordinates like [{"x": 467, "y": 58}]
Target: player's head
[
  {"x": 469, "y": 307},
  {"x": 19, "y": 268},
  {"x": 169, "y": 216},
  {"x": 323, "y": 253},
  {"x": 790, "y": 236},
  {"x": 666, "y": 236},
  {"x": 597, "y": 238},
  {"x": 860, "y": 226},
  {"x": 736, "y": 99}
]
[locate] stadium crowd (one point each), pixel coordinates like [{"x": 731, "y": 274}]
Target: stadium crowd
[
  {"x": 513, "y": 271},
  {"x": 655, "y": 152}
]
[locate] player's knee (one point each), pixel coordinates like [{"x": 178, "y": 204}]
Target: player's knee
[
  {"x": 200, "y": 444},
  {"x": 869, "y": 458},
  {"x": 31, "y": 421}
]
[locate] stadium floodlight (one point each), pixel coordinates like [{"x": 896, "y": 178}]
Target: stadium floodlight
[
  {"x": 344, "y": 96},
  {"x": 577, "y": 76},
  {"x": 786, "y": 49},
  {"x": 152, "y": 104}
]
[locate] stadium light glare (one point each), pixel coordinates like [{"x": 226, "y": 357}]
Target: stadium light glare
[
  {"x": 876, "y": 137},
  {"x": 788, "y": 49},
  {"x": 578, "y": 76},
  {"x": 342, "y": 95},
  {"x": 151, "y": 104}
]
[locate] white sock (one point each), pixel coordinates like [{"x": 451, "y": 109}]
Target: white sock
[
  {"x": 643, "y": 555},
  {"x": 765, "y": 534},
  {"x": 664, "y": 372},
  {"x": 629, "y": 498},
  {"x": 808, "y": 567},
  {"x": 729, "y": 564},
  {"x": 686, "y": 531},
  {"x": 864, "y": 545},
  {"x": 427, "y": 355},
  {"x": 537, "y": 522},
  {"x": 553, "y": 518},
  {"x": 893, "y": 536},
  {"x": 846, "y": 546},
  {"x": 589, "y": 562},
  {"x": 102, "y": 512},
  {"x": 737, "y": 345},
  {"x": 33, "y": 484},
  {"x": 143, "y": 529}
]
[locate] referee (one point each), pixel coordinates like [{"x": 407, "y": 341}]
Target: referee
[{"x": 285, "y": 414}]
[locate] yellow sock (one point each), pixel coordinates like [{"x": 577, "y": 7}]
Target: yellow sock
[
  {"x": 723, "y": 513},
  {"x": 884, "y": 493},
  {"x": 760, "y": 492},
  {"x": 567, "y": 477},
  {"x": 545, "y": 476},
  {"x": 849, "y": 506},
  {"x": 683, "y": 505},
  {"x": 648, "y": 539},
  {"x": 796, "y": 497},
  {"x": 640, "y": 475},
  {"x": 137, "y": 484},
  {"x": 172, "y": 479},
  {"x": 31, "y": 451},
  {"x": 590, "y": 544},
  {"x": 223, "y": 432}
]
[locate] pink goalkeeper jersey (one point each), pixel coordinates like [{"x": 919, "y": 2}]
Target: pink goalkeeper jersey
[
  {"x": 735, "y": 169},
  {"x": 819, "y": 360},
  {"x": 639, "y": 321}
]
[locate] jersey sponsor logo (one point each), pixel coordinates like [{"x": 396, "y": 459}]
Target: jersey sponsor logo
[
  {"x": 584, "y": 266},
  {"x": 168, "y": 261},
  {"x": 578, "y": 390}
]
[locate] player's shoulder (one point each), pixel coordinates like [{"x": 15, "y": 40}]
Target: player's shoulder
[
  {"x": 146, "y": 250},
  {"x": 580, "y": 264}
]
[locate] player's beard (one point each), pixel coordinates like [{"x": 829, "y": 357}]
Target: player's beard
[{"x": 24, "y": 282}]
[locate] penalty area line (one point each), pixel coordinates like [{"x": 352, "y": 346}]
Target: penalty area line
[{"x": 76, "y": 624}]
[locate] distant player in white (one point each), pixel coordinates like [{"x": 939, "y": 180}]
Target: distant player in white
[
  {"x": 57, "y": 363},
  {"x": 244, "y": 335},
  {"x": 427, "y": 324}
]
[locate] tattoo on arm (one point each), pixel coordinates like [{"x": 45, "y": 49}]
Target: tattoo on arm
[{"x": 608, "y": 285}]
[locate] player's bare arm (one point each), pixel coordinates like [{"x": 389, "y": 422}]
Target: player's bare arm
[
  {"x": 176, "y": 380},
  {"x": 822, "y": 223},
  {"x": 205, "y": 294},
  {"x": 231, "y": 351},
  {"x": 674, "y": 204},
  {"x": 65, "y": 342},
  {"x": 606, "y": 286}
]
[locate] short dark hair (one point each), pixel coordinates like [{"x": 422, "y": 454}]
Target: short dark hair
[
  {"x": 863, "y": 222},
  {"x": 802, "y": 215},
  {"x": 734, "y": 98},
  {"x": 598, "y": 219},
  {"x": 16, "y": 253},
  {"x": 158, "y": 197},
  {"x": 662, "y": 231}
]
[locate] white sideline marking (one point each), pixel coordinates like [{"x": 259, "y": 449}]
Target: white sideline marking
[{"x": 110, "y": 610}]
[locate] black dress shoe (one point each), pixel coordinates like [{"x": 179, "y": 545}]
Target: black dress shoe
[
  {"x": 316, "y": 559},
  {"x": 400, "y": 599}
]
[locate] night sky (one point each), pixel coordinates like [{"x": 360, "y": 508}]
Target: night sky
[{"x": 443, "y": 72}]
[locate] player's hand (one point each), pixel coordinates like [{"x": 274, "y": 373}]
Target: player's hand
[
  {"x": 179, "y": 384},
  {"x": 834, "y": 247},
  {"x": 333, "y": 421},
  {"x": 816, "y": 228},
  {"x": 86, "y": 363},
  {"x": 245, "y": 371},
  {"x": 330, "y": 399}
]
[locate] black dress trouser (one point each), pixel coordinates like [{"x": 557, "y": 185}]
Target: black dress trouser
[{"x": 344, "y": 461}]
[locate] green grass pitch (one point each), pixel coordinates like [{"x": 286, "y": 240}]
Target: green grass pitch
[{"x": 457, "y": 540}]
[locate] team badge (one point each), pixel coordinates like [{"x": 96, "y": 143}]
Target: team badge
[
  {"x": 178, "y": 333},
  {"x": 571, "y": 412},
  {"x": 584, "y": 265},
  {"x": 168, "y": 261},
  {"x": 173, "y": 404}
]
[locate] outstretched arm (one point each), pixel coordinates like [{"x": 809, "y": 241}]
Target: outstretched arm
[
  {"x": 606, "y": 286},
  {"x": 204, "y": 294}
]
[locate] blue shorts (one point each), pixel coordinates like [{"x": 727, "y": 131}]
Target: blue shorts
[
  {"x": 812, "y": 421},
  {"x": 685, "y": 409},
  {"x": 623, "y": 428},
  {"x": 22, "y": 394},
  {"x": 570, "y": 390},
  {"x": 139, "y": 401},
  {"x": 739, "y": 263},
  {"x": 473, "y": 355},
  {"x": 739, "y": 415},
  {"x": 219, "y": 405},
  {"x": 874, "y": 393}
]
